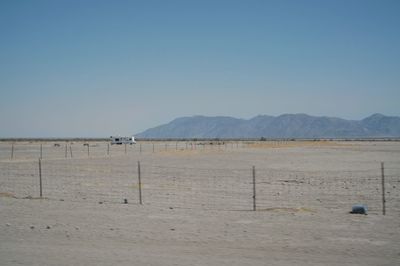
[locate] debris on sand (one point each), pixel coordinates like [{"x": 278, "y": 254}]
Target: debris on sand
[{"x": 359, "y": 209}]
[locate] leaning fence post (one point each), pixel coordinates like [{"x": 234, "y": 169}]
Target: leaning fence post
[
  {"x": 254, "y": 188},
  {"x": 383, "y": 189},
  {"x": 40, "y": 177},
  {"x": 140, "y": 185}
]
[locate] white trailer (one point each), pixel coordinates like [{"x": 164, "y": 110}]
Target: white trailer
[{"x": 122, "y": 140}]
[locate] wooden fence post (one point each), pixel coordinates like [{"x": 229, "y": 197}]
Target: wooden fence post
[
  {"x": 88, "y": 152},
  {"x": 140, "y": 184},
  {"x": 70, "y": 150},
  {"x": 41, "y": 151},
  {"x": 40, "y": 178},
  {"x": 254, "y": 188},
  {"x": 66, "y": 149},
  {"x": 383, "y": 189}
]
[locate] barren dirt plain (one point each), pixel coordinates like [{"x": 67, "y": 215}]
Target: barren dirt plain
[{"x": 198, "y": 203}]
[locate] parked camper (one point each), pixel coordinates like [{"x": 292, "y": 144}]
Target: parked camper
[{"x": 122, "y": 140}]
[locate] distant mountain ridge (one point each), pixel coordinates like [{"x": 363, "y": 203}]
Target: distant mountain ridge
[{"x": 283, "y": 126}]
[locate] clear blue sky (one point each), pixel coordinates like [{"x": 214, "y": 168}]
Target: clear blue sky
[{"x": 97, "y": 68}]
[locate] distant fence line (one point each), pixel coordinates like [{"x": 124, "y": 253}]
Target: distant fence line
[
  {"x": 53, "y": 150},
  {"x": 255, "y": 188},
  {"x": 78, "y": 149},
  {"x": 261, "y": 138}
]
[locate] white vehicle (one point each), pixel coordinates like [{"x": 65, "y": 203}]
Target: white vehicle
[{"x": 122, "y": 140}]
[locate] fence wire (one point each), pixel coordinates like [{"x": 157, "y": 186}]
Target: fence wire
[
  {"x": 113, "y": 179},
  {"x": 91, "y": 149}
]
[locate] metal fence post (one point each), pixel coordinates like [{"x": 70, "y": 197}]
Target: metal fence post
[
  {"x": 12, "y": 151},
  {"x": 140, "y": 185},
  {"x": 383, "y": 189},
  {"x": 40, "y": 178},
  {"x": 254, "y": 188}
]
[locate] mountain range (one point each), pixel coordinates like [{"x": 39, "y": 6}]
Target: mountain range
[{"x": 283, "y": 126}]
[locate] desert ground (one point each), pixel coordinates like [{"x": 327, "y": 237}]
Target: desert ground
[{"x": 199, "y": 203}]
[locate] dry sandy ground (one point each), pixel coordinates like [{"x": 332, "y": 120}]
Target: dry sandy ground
[{"x": 80, "y": 231}]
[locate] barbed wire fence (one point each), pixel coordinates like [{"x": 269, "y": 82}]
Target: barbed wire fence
[
  {"x": 30, "y": 150},
  {"x": 113, "y": 179},
  {"x": 329, "y": 189},
  {"x": 206, "y": 188},
  {"x": 59, "y": 150},
  {"x": 70, "y": 149}
]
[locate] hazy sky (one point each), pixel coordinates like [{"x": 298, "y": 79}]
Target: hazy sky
[{"x": 97, "y": 68}]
